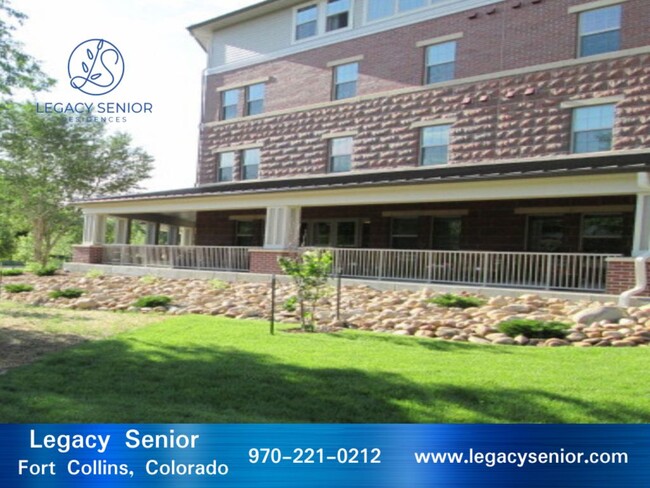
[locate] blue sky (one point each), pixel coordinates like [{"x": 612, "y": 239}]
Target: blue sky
[{"x": 163, "y": 65}]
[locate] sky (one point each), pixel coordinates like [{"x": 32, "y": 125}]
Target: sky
[{"x": 163, "y": 66}]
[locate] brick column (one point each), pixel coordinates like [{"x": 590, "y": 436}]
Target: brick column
[
  {"x": 265, "y": 261},
  {"x": 620, "y": 276},
  {"x": 87, "y": 254}
]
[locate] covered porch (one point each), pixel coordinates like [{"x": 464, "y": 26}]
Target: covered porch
[{"x": 528, "y": 231}]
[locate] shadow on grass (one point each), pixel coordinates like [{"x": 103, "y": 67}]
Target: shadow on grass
[
  {"x": 22, "y": 346},
  {"x": 49, "y": 315},
  {"x": 131, "y": 381}
]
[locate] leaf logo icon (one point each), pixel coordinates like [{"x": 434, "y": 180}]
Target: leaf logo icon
[{"x": 95, "y": 67}]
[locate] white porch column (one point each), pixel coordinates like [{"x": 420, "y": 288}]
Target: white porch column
[
  {"x": 187, "y": 236},
  {"x": 642, "y": 224},
  {"x": 172, "y": 235},
  {"x": 152, "y": 233},
  {"x": 94, "y": 229},
  {"x": 282, "y": 228},
  {"x": 122, "y": 231}
]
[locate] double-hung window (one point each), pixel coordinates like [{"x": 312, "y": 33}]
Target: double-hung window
[
  {"x": 307, "y": 22},
  {"x": 435, "y": 145},
  {"x": 345, "y": 80},
  {"x": 338, "y": 15},
  {"x": 225, "y": 166},
  {"x": 255, "y": 99},
  {"x": 405, "y": 233},
  {"x": 600, "y": 31},
  {"x": 229, "y": 104},
  {"x": 341, "y": 154},
  {"x": 250, "y": 164},
  {"x": 592, "y": 128},
  {"x": 441, "y": 62}
]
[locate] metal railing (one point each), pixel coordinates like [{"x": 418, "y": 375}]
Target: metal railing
[
  {"x": 224, "y": 258},
  {"x": 567, "y": 271}
]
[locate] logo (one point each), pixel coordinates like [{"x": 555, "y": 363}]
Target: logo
[{"x": 95, "y": 67}]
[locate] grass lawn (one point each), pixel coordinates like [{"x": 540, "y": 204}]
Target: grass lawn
[{"x": 211, "y": 369}]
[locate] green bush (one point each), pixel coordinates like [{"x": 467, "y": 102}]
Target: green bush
[
  {"x": 67, "y": 293},
  {"x": 149, "y": 280},
  {"x": 449, "y": 300},
  {"x": 48, "y": 270},
  {"x": 290, "y": 304},
  {"x": 534, "y": 329},
  {"x": 151, "y": 301},
  {"x": 95, "y": 273},
  {"x": 18, "y": 288},
  {"x": 12, "y": 272},
  {"x": 219, "y": 284}
]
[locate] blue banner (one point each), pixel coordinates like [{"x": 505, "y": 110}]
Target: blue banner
[{"x": 285, "y": 456}]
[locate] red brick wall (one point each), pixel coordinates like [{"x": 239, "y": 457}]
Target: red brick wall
[
  {"x": 87, "y": 254},
  {"x": 621, "y": 277},
  {"x": 508, "y": 39},
  {"x": 266, "y": 262}
]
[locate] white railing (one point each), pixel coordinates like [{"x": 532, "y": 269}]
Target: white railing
[
  {"x": 186, "y": 257},
  {"x": 568, "y": 271}
]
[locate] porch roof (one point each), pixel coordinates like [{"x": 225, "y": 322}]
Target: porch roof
[{"x": 456, "y": 173}]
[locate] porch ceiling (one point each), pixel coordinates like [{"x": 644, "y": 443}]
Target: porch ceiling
[{"x": 570, "y": 176}]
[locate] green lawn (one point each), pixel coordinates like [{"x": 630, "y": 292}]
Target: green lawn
[{"x": 209, "y": 369}]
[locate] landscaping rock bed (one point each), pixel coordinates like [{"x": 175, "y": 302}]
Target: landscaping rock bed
[{"x": 402, "y": 312}]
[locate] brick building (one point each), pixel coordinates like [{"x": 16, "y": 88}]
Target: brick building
[{"x": 499, "y": 142}]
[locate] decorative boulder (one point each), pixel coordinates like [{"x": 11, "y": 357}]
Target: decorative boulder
[{"x": 597, "y": 314}]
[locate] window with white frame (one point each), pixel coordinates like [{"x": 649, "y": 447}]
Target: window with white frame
[
  {"x": 225, "y": 166},
  {"x": 599, "y": 31},
  {"x": 435, "y": 145},
  {"x": 345, "y": 80},
  {"x": 255, "y": 99},
  {"x": 441, "y": 62},
  {"x": 250, "y": 164},
  {"x": 229, "y": 104},
  {"x": 341, "y": 154},
  {"x": 337, "y": 15},
  {"x": 592, "y": 128},
  {"x": 381, "y": 9},
  {"x": 306, "y": 22}
]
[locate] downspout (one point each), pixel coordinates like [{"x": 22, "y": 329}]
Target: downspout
[{"x": 640, "y": 278}]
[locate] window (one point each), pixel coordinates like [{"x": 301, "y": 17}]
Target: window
[
  {"x": 545, "y": 233},
  {"x": 345, "y": 80},
  {"x": 405, "y": 5},
  {"x": 336, "y": 233},
  {"x": 306, "y": 22},
  {"x": 404, "y": 233},
  {"x": 435, "y": 145},
  {"x": 446, "y": 233},
  {"x": 441, "y": 62},
  {"x": 379, "y": 9},
  {"x": 245, "y": 233},
  {"x": 592, "y": 128},
  {"x": 338, "y": 15},
  {"x": 255, "y": 99},
  {"x": 600, "y": 31},
  {"x": 341, "y": 154},
  {"x": 226, "y": 164},
  {"x": 250, "y": 164},
  {"x": 229, "y": 104},
  {"x": 603, "y": 233}
]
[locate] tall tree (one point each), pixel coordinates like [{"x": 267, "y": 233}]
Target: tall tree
[
  {"x": 47, "y": 161},
  {"x": 17, "y": 69}
]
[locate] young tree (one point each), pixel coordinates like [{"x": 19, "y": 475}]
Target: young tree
[
  {"x": 47, "y": 161},
  {"x": 17, "y": 69}
]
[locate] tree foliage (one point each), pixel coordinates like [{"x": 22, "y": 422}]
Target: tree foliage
[
  {"x": 17, "y": 69},
  {"x": 47, "y": 161}
]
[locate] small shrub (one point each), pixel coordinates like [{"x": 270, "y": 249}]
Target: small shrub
[
  {"x": 219, "y": 284},
  {"x": 149, "y": 280},
  {"x": 449, "y": 300},
  {"x": 151, "y": 301},
  {"x": 12, "y": 272},
  {"x": 48, "y": 270},
  {"x": 18, "y": 288},
  {"x": 95, "y": 273},
  {"x": 67, "y": 293},
  {"x": 534, "y": 329},
  {"x": 290, "y": 304}
]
